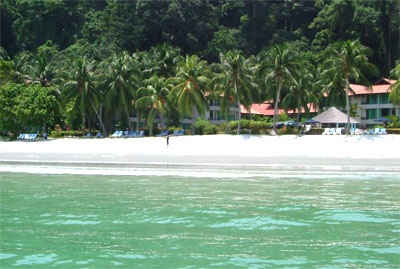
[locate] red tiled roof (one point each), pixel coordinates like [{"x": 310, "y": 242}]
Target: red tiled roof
[
  {"x": 382, "y": 86},
  {"x": 267, "y": 109}
]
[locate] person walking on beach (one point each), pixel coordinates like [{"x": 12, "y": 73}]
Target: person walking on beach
[{"x": 167, "y": 140}]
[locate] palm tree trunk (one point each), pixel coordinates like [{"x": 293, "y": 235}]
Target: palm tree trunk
[
  {"x": 138, "y": 121},
  {"x": 193, "y": 122},
  {"x": 240, "y": 118},
  {"x": 347, "y": 105},
  {"x": 103, "y": 129},
  {"x": 278, "y": 96}
]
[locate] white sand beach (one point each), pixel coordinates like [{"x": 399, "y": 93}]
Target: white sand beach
[{"x": 299, "y": 152}]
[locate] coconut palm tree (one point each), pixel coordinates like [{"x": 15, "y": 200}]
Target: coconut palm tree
[
  {"x": 80, "y": 88},
  {"x": 234, "y": 82},
  {"x": 154, "y": 97},
  {"x": 190, "y": 85},
  {"x": 40, "y": 72},
  {"x": 277, "y": 67},
  {"x": 121, "y": 80},
  {"x": 395, "y": 94},
  {"x": 345, "y": 63},
  {"x": 301, "y": 92}
]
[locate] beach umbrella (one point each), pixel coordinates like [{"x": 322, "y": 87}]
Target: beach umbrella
[
  {"x": 333, "y": 115},
  {"x": 311, "y": 121},
  {"x": 382, "y": 119}
]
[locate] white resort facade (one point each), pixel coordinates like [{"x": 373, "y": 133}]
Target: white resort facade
[{"x": 371, "y": 103}]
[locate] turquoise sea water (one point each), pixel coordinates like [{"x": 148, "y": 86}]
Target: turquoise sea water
[{"x": 161, "y": 220}]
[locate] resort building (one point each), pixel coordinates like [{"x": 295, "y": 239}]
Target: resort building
[{"x": 372, "y": 103}]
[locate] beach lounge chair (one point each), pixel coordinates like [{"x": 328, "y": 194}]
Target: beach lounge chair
[
  {"x": 383, "y": 131},
  {"x": 117, "y": 134},
  {"x": 99, "y": 135},
  {"x": 355, "y": 131},
  {"x": 338, "y": 131},
  {"x": 21, "y": 136},
  {"x": 141, "y": 134},
  {"x": 377, "y": 131},
  {"x": 32, "y": 136},
  {"x": 332, "y": 131},
  {"x": 89, "y": 135},
  {"x": 326, "y": 131},
  {"x": 306, "y": 129},
  {"x": 163, "y": 133}
]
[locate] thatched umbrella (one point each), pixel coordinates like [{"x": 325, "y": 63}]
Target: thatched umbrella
[{"x": 333, "y": 115}]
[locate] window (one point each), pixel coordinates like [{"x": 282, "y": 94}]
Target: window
[
  {"x": 384, "y": 98},
  {"x": 371, "y": 113},
  {"x": 372, "y": 99},
  {"x": 385, "y": 112}
]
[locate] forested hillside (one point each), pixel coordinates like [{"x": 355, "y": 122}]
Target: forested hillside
[
  {"x": 200, "y": 27},
  {"x": 96, "y": 64}
]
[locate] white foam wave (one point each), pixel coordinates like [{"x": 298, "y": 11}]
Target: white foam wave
[{"x": 207, "y": 172}]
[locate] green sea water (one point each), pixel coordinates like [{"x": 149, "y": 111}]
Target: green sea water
[{"x": 158, "y": 221}]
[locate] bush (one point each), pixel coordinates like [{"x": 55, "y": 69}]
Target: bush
[{"x": 205, "y": 127}]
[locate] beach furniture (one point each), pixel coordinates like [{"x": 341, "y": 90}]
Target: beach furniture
[
  {"x": 377, "y": 131},
  {"x": 141, "y": 134},
  {"x": 332, "y": 131},
  {"x": 306, "y": 129},
  {"x": 163, "y": 133},
  {"x": 21, "y": 136},
  {"x": 89, "y": 135},
  {"x": 117, "y": 134},
  {"x": 383, "y": 131},
  {"x": 98, "y": 135},
  {"x": 326, "y": 131},
  {"x": 338, "y": 131}
]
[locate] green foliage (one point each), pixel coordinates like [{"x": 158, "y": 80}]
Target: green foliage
[
  {"x": 204, "y": 127},
  {"x": 251, "y": 126},
  {"x": 27, "y": 107}
]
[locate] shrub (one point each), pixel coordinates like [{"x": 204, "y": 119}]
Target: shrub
[{"x": 205, "y": 127}]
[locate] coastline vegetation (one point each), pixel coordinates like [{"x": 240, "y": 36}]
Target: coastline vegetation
[{"x": 167, "y": 59}]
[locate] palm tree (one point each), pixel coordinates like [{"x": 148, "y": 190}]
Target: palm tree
[
  {"x": 190, "y": 85},
  {"x": 301, "y": 93},
  {"x": 41, "y": 72},
  {"x": 121, "y": 80},
  {"x": 153, "y": 96},
  {"x": 346, "y": 61},
  {"x": 278, "y": 65},
  {"x": 80, "y": 88},
  {"x": 234, "y": 82},
  {"x": 395, "y": 94}
]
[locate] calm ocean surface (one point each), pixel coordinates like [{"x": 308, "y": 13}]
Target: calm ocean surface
[{"x": 195, "y": 218}]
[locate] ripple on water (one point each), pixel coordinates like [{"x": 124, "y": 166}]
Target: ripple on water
[
  {"x": 262, "y": 223},
  {"x": 351, "y": 216},
  {"x": 37, "y": 259}
]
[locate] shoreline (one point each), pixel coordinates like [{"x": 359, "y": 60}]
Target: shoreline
[{"x": 224, "y": 152}]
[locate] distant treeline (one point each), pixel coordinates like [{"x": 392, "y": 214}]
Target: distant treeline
[{"x": 98, "y": 28}]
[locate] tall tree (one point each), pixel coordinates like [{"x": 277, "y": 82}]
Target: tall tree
[
  {"x": 234, "y": 82},
  {"x": 346, "y": 62},
  {"x": 81, "y": 90},
  {"x": 41, "y": 71},
  {"x": 395, "y": 94},
  {"x": 153, "y": 97},
  {"x": 121, "y": 81},
  {"x": 302, "y": 91},
  {"x": 277, "y": 68},
  {"x": 190, "y": 86}
]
